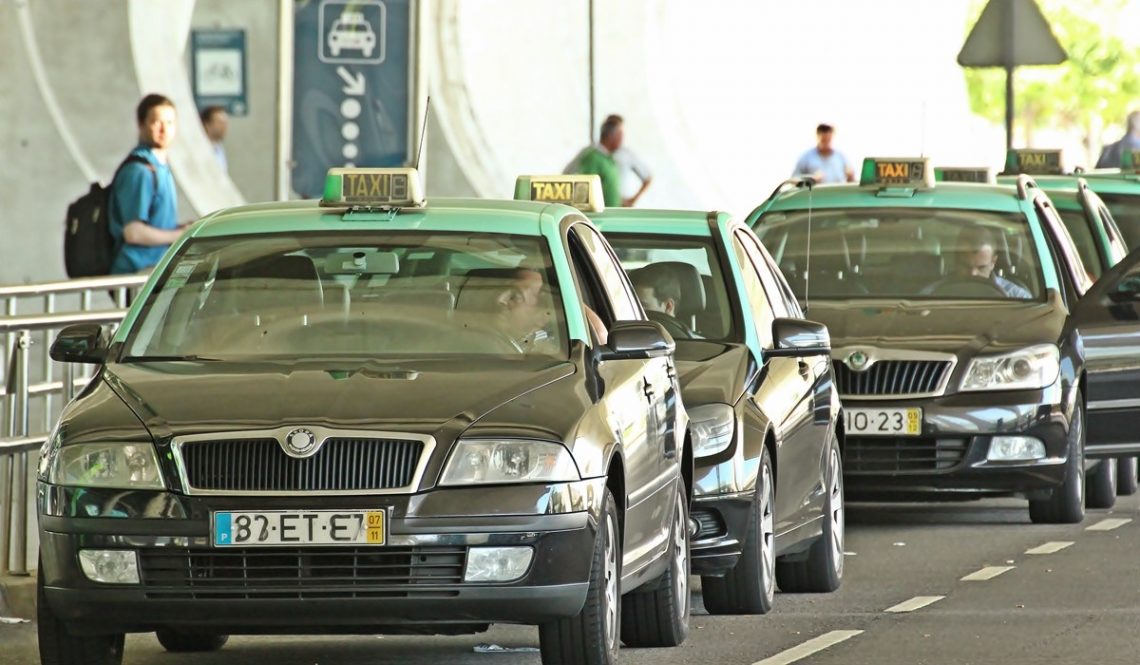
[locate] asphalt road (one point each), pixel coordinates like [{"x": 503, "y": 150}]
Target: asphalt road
[{"x": 1078, "y": 604}]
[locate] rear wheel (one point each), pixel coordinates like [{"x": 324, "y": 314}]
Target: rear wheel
[
  {"x": 750, "y": 587},
  {"x": 659, "y": 616},
  {"x": 1102, "y": 484},
  {"x": 1126, "y": 484},
  {"x": 59, "y": 647},
  {"x": 177, "y": 641},
  {"x": 822, "y": 570},
  {"x": 1066, "y": 505},
  {"x": 591, "y": 637}
]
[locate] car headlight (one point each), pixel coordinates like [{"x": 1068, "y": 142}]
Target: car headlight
[
  {"x": 712, "y": 426},
  {"x": 488, "y": 461},
  {"x": 1026, "y": 369},
  {"x": 113, "y": 465}
]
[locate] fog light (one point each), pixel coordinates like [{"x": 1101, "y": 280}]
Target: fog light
[
  {"x": 497, "y": 564},
  {"x": 1015, "y": 449},
  {"x": 110, "y": 566}
]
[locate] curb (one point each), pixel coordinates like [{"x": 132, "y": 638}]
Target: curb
[{"x": 18, "y": 596}]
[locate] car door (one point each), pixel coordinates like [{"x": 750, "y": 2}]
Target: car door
[
  {"x": 641, "y": 402},
  {"x": 784, "y": 393},
  {"x": 1108, "y": 321}
]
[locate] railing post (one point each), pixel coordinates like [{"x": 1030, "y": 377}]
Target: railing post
[
  {"x": 20, "y": 461},
  {"x": 7, "y": 471}
]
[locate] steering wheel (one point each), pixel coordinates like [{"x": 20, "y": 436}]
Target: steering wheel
[
  {"x": 671, "y": 324},
  {"x": 489, "y": 340},
  {"x": 966, "y": 287}
]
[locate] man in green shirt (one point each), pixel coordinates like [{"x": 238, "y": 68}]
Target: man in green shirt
[{"x": 598, "y": 160}]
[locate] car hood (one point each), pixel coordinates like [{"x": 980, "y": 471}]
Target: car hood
[
  {"x": 177, "y": 398},
  {"x": 959, "y": 327},
  {"x": 712, "y": 372}
]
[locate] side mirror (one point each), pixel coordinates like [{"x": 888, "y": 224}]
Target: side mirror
[
  {"x": 81, "y": 343},
  {"x": 799, "y": 338},
  {"x": 636, "y": 340},
  {"x": 1128, "y": 290}
]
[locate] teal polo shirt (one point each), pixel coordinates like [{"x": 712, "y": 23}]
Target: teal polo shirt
[{"x": 139, "y": 194}]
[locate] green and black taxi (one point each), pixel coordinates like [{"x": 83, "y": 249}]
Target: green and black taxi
[
  {"x": 371, "y": 414},
  {"x": 756, "y": 383},
  {"x": 962, "y": 333}
]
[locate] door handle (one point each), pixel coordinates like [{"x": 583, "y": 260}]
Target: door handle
[
  {"x": 648, "y": 389},
  {"x": 805, "y": 369}
]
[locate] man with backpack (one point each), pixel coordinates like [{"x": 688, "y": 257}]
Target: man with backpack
[{"x": 143, "y": 203}]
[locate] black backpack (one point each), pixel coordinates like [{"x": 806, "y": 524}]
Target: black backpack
[{"x": 88, "y": 246}]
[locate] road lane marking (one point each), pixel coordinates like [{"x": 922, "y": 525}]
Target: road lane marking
[
  {"x": 987, "y": 573},
  {"x": 812, "y": 646},
  {"x": 916, "y": 603},
  {"x": 1109, "y": 524},
  {"x": 1049, "y": 548}
]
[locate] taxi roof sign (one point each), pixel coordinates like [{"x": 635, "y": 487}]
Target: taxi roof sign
[
  {"x": 911, "y": 172},
  {"x": 583, "y": 192},
  {"x": 978, "y": 174},
  {"x": 373, "y": 188},
  {"x": 1033, "y": 162},
  {"x": 1130, "y": 160}
]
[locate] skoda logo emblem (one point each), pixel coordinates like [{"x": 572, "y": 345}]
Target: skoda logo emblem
[
  {"x": 857, "y": 361},
  {"x": 300, "y": 442}
]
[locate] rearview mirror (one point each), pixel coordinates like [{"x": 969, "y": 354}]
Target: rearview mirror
[
  {"x": 635, "y": 340},
  {"x": 81, "y": 343},
  {"x": 798, "y": 338}
]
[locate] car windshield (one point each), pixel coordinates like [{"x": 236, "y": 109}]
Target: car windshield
[
  {"x": 1079, "y": 228},
  {"x": 1125, "y": 209},
  {"x": 905, "y": 253},
  {"x": 339, "y": 295},
  {"x": 679, "y": 282}
]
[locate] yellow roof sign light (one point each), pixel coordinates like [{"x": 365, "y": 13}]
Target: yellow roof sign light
[
  {"x": 980, "y": 174},
  {"x": 906, "y": 172},
  {"x": 1033, "y": 162},
  {"x": 583, "y": 192},
  {"x": 373, "y": 188}
]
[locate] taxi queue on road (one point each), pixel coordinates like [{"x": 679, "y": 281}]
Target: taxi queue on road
[{"x": 423, "y": 416}]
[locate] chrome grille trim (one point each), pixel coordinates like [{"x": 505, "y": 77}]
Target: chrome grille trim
[
  {"x": 892, "y": 374},
  {"x": 324, "y": 435}
]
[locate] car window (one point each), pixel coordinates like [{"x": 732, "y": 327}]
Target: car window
[
  {"x": 1117, "y": 246},
  {"x": 767, "y": 278},
  {"x": 368, "y": 295},
  {"x": 610, "y": 274},
  {"x": 1068, "y": 257},
  {"x": 757, "y": 305},
  {"x": 1126, "y": 212},
  {"x": 905, "y": 253},
  {"x": 683, "y": 270},
  {"x": 1078, "y": 226}
]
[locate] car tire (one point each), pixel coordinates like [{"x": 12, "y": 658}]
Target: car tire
[
  {"x": 1126, "y": 482},
  {"x": 1066, "y": 505},
  {"x": 750, "y": 586},
  {"x": 178, "y": 641},
  {"x": 821, "y": 571},
  {"x": 658, "y": 616},
  {"x": 1102, "y": 484},
  {"x": 591, "y": 636},
  {"x": 59, "y": 647}
]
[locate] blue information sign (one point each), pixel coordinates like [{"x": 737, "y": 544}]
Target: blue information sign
[
  {"x": 351, "y": 87},
  {"x": 217, "y": 65}
]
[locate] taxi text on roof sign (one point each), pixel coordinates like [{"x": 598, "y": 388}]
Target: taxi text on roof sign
[
  {"x": 373, "y": 188},
  {"x": 981, "y": 174},
  {"x": 1033, "y": 162},
  {"x": 897, "y": 171},
  {"x": 583, "y": 192}
]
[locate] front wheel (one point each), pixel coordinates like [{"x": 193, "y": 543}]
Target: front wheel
[
  {"x": 822, "y": 570},
  {"x": 1066, "y": 505},
  {"x": 659, "y": 617},
  {"x": 1102, "y": 484},
  {"x": 59, "y": 647},
  {"x": 591, "y": 637}
]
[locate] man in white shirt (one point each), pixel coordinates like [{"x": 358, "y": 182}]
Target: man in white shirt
[
  {"x": 216, "y": 122},
  {"x": 634, "y": 174}
]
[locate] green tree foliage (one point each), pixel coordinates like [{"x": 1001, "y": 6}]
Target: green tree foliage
[{"x": 1095, "y": 88}]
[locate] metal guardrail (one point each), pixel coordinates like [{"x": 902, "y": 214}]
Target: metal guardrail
[{"x": 17, "y": 336}]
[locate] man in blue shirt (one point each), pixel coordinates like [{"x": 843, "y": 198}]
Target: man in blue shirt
[
  {"x": 1112, "y": 156},
  {"x": 144, "y": 203},
  {"x": 823, "y": 163}
]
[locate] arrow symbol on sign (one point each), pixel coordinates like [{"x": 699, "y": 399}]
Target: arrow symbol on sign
[{"x": 354, "y": 83}]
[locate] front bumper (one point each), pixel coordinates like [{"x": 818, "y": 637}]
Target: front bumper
[
  {"x": 723, "y": 521},
  {"x": 949, "y": 458},
  {"x": 415, "y": 581}
]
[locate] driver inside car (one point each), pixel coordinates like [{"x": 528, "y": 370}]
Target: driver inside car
[
  {"x": 976, "y": 258},
  {"x": 660, "y": 294},
  {"x": 517, "y": 306}
]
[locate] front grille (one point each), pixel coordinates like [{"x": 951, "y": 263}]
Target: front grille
[
  {"x": 245, "y": 573},
  {"x": 709, "y": 524},
  {"x": 895, "y": 454},
  {"x": 892, "y": 377},
  {"x": 260, "y": 465}
]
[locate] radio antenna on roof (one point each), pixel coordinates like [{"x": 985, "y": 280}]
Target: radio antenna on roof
[{"x": 423, "y": 132}]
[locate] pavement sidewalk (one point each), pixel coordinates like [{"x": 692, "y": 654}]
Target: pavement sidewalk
[{"x": 18, "y": 596}]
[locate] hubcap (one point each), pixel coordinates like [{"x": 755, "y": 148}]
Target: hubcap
[
  {"x": 681, "y": 557},
  {"x": 611, "y": 583},
  {"x": 767, "y": 533},
  {"x": 836, "y": 503}
]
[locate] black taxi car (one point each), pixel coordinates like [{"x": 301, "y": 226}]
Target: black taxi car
[
  {"x": 371, "y": 415},
  {"x": 757, "y": 384},
  {"x": 964, "y": 343}
]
